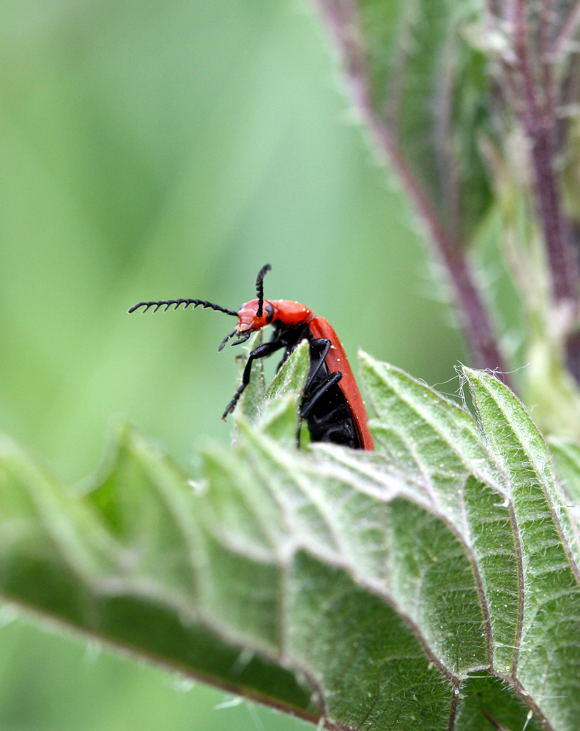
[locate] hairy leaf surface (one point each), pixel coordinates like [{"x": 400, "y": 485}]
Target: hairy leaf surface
[{"x": 428, "y": 585}]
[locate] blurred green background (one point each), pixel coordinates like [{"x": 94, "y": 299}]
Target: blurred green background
[{"x": 161, "y": 150}]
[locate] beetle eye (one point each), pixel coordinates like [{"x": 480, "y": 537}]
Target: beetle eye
[{"x": 269, "y": 313}]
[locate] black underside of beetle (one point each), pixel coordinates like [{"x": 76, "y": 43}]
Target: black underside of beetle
[{"x": 324, "y": 405}]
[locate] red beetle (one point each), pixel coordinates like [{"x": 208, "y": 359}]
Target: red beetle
[{"x": 332, "y": 404}]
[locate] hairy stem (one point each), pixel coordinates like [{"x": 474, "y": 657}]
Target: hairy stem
[
  {"x": 539, "y": 123},
  {"x": 342, "y": 21}
]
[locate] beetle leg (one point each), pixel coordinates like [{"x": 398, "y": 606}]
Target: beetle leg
[
  {"x": 262, "y": 351},
  {"x": 329, "y": 382},
  {"x": 315, "y": 366}
]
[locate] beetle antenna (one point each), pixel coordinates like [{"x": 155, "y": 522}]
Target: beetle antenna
[
  {"x": 260, "y": 288},
  {"x": 176, "y": 304}
]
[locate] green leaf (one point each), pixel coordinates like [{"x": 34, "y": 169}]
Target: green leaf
[
  {"x": 279, "y": 416},
  {"x": 253, "y": 396},
  {"x": 427, "y": 585},
  {"x": 548, "y": 644},
  {"x": 275, "y": 408},
  {"x": 434, "y": 438},
  {"x": 120, "y": 565}
]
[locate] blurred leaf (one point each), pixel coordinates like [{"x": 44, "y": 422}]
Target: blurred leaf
[
  {"x": 427, "y": 585},
  {"x": 422, "y": 86}
]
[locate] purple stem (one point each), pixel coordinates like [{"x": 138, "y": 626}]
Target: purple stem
[
  {"x": 573, "y": 355},
  {"x": 545, "y": 29},
  {"x": 539, "y": 125},
  {"x": 342, "y": 20}
]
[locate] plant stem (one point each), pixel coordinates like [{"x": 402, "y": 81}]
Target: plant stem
[
  {"x": 342, "y": 21},
  {"x": 573, "y": 355},
  {"x": 539, "y": 122}
]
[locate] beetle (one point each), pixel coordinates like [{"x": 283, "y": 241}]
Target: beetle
[{"x": 331, "y": 404}]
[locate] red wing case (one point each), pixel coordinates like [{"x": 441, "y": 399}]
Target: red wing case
[{"x": 337, "y": 361}]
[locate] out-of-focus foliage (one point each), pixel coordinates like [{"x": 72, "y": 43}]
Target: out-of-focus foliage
[
  {"x": 431, "y": 582},
  {"x": 428, "y": 85},
  {"x": 473, "y": 106},
  {"x": 156, "y": 149}
]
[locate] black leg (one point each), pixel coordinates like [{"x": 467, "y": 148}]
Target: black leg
[
  {"x": 262, "y": 351},
  {"x": 315, "y": 366},
  {"x": 329, "y": 382}
]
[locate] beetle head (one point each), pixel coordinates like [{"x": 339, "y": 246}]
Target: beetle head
[{"x": 253, "y": 315}]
